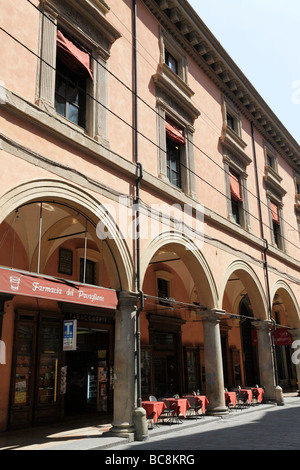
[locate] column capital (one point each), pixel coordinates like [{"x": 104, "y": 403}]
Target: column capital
[
  {"x": 295, "y": 333},
  {"x": 128, "y": 299},
  {"x": 212, "y": 315},
  {"x": 262, "y": 324}
]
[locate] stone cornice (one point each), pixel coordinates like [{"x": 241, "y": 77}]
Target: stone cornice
[{"x": 179, "y": 18}]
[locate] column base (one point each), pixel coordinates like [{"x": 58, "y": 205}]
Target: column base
[
  {"x": 218, "y": 411},
  {"x": 126, "y": 431}
]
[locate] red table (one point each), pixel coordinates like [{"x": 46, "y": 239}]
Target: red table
[
  {"x": 230, "y": 398},
  {"x": 204, "y": 402},
  {"x": 154, "y": 407},
  {"x": 258, "y": 393},
  {"x": 181, "y": 405}
]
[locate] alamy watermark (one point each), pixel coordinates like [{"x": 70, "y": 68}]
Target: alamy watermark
[
  {"x": 296, "y": 354},
  {"x": 120, "y": 221}
]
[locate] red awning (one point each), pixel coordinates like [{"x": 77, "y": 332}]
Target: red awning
[
  {"x": 75, "y": 58},
  {"x": 33, "y": 285},
  {"x": 174, "y": 132},
  {"x": 275, "y": 213},
  {"x": 235, "y": 187}
]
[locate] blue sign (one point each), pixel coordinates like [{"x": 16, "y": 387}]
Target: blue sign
[{"x": 70, "y": 332}]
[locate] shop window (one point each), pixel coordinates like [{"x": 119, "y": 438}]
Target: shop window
[
  {"x": 146, "y": 367},
  {"x": 24, "y": 372},
  {"x": 192, "y": 368},
  {"x": 48, "y": 366}
]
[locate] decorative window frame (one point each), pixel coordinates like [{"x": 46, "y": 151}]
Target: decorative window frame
[
  {"x": 270, "y": 153},
  {"x": 168, "y": 43},
  {"x": 173, "y": 99},
  {"x": 230, "y": 162},
  {"x": 271, "y": 176},
  {"x": 277, "y": 199},
  {"x": 86, "y": 21},
  {"x": 231, "y": 136},
  {"x": 274, "y": 193}
]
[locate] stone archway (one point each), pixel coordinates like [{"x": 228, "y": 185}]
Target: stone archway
[
  {"x": 244, "y": 299},
  {"x": 192, "y": 259},
  {"x": 75, "y": 200},
  {"x": 285, "y": 312}
]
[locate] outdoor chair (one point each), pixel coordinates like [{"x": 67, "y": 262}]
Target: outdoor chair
[
  {"x": 194, "y": 408},
  {"x": 169, "y": 412},
  {"x": 152, "y": 398}
]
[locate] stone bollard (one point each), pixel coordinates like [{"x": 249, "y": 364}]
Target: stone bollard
[
  {"x": 140, "y": 424},
  {"x": 279, "y": 396}
]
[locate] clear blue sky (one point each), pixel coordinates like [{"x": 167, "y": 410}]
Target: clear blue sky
[{"x": 263, "y": 39}]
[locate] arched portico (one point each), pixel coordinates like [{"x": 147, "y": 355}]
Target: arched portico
[
  {"x": 239, "y": 279},
  {"x": 191, "y": 257},
  {"x": 73, "y": 201},
  {"x": 285, "y": 312},
  {"x": 189, "y": 317},
  {"x": 243, "y": 297},
  {"x": 44, "y": 215}
]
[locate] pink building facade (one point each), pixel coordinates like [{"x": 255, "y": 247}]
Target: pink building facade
[{"x": 149, "y": 204}]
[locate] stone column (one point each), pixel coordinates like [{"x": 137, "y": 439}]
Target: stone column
[
  {"x": 124, "y": 366},
  {"x": 213, "y": 362},
  {"x": 265, "y": 358},
  {"x": 295, "y": 333}
]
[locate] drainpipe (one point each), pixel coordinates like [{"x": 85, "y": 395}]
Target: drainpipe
[
  {"x": 141, "y": 428},
  {"x": 278, "y": 389}
]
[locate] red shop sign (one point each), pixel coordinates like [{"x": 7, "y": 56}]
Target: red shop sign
[
  {"x": 282, "y": 337},
  {"x": 33, "y": 285}
]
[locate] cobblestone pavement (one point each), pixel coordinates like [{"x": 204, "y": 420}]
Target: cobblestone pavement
[{"x": 260, "y": 427}]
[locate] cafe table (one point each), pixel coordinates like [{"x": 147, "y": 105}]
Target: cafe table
[
  {"x": 154, "y": 409},
  {"x": 181, "y": 405},
  {"x": 258, "y": 393},
  {"x": 204, "y": 402},
  {"x": 230, "y": 399}
]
